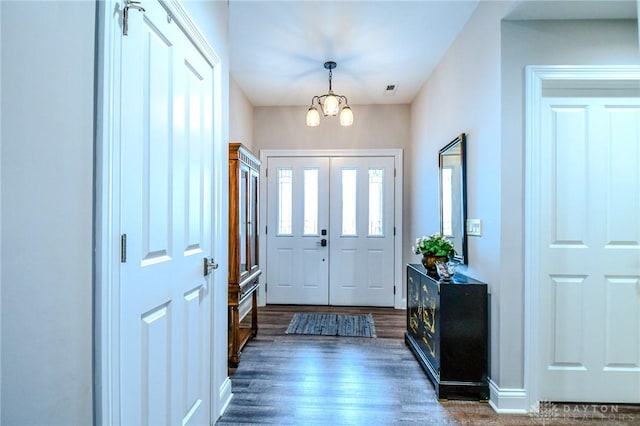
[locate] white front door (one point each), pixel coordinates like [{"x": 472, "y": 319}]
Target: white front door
[
  {"x": 298, "y": 212},
  {"x": 590, "y": 250},
  {"x": 330, "y": 230},
  {"x": 362, "y": 241},
  {"x": 166, "y": 170}
]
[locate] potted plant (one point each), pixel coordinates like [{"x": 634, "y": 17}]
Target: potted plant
[{"x": 434, "y": 248}]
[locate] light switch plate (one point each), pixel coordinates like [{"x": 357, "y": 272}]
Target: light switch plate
[{"x": 474, "y": 227}]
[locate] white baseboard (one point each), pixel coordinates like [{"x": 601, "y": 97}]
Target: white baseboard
[
  {"x": 507, "y": 401},
  {"x": 225, "y": 396}
]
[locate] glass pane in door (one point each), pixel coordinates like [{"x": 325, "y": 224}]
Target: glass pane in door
[
  {"x": 310, "y": 177},
  {"x": 376, "y": 178},
  {"x": 349, "y": 182},
  {"x": 285, "y": 201}
]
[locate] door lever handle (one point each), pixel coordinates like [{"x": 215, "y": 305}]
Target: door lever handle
[
  {"x": 208, "y": 264},
  {"x": 323, "y": 242}
]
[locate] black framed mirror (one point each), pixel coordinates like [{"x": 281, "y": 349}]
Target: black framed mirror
[{"x": 453, "y": 195}]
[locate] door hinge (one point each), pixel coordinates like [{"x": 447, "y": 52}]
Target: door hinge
[
  {"x": 394, "y": 290},
  {"x": 123, "y": 248},
  {"x": 394, "y": 172},
  {"x": 394, "y": 230},
  {"x": 265, "y": 230},
  {"x": 266, "y": 172},
  {"x": 265, "y": 287}
]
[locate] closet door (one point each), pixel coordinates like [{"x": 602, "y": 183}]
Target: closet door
[
  {"x": 590, "y": 250},
  {"x": 164, "y": 309}
]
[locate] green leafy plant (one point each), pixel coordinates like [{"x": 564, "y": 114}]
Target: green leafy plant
[{"x": 434, "y": 245}]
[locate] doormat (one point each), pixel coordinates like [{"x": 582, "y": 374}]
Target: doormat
[{"x": 324, "y": 324}]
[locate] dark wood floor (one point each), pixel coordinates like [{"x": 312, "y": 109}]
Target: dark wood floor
[{"x": 318, "y": 380}]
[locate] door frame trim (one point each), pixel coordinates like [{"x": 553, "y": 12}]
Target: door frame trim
[
  {"x": 535, "y": 77},
  {"x": 398, "y": 301},
  {"x": 106, "y": 279}
]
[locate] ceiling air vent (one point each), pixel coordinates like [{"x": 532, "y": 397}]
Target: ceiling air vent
[{"x": 390, "y": 90}]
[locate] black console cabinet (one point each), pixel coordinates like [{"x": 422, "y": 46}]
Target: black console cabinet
[{"x": 448, "y": 333}]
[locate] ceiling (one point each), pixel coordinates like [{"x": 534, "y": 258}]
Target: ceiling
[{"x": 278, "y": 48}]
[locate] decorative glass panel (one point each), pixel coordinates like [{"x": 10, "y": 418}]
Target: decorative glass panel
[
  {"x": 242, "y": 222},
  {"x": 253, "y": 221},
  {"x": 447, "y": 200},
  {"x": 349, "y": 182},
  {"x": 376, "y": 177},
  {"x": 285, "y": 204},
  {"x": 311, "y": 202}
]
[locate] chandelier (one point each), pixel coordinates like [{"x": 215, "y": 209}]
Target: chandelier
[{"x": 329, "y": 103}]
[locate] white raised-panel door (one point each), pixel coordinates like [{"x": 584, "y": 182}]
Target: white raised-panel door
[
  {"x": 165, "y": 303},
  {"x": 590, "y": 250},
  {"x": 362, "y": 231},
  {"x": 298, "y": 212}
]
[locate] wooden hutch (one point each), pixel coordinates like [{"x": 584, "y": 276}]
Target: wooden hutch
[{"x": 244, "y": 268}]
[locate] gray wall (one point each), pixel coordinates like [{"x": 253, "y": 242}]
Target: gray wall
[
  {"x": 47, "y": 202},
  {"x": 374, "y": 127},
  {"x": 462, "y": 96},
  {"x": 240, "y": 116}
]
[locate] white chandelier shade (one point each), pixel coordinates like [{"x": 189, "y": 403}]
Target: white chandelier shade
[
  {"x": 313, "y": 117},
  {"x": 346, "y": 116},
  {"x": 330, "y": 104}
]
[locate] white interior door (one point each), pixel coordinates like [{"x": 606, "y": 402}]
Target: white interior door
[
  {"x": 347, "y": 202},
  {"x": 298, "y": 212},
  {"x": 362, "y": 234},
  {"x": 166, "y": 161},
  {"x": 590, "y": 250}
]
